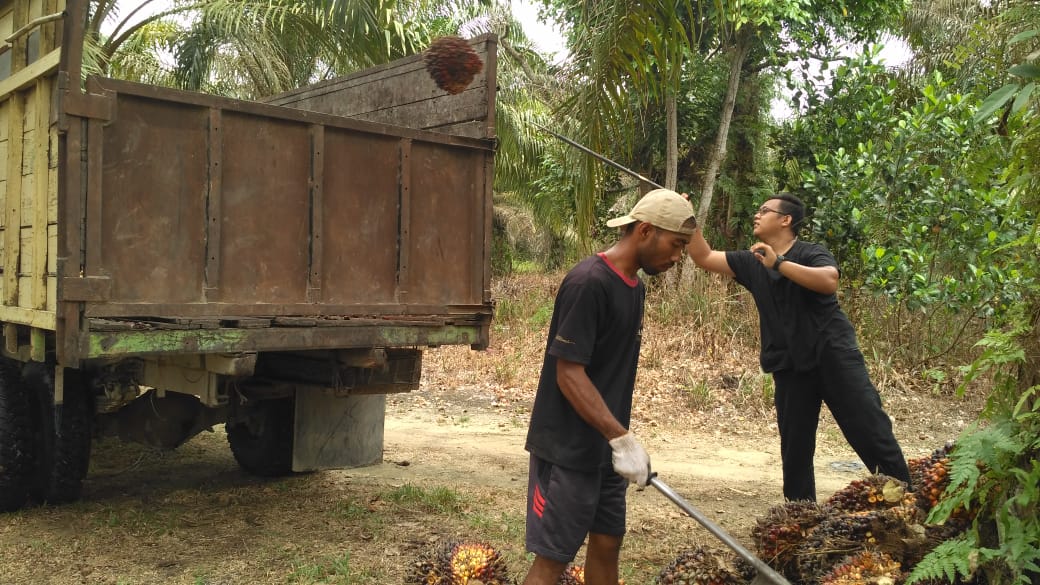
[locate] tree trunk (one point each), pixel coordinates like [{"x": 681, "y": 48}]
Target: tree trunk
[
  {"x": 1029, "y": 371},
  {"x": 738, "y": 53},
  {"x": 671, "y": 111}
]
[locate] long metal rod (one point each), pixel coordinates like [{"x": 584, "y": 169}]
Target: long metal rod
[
  {"x": 598, "y": 156},
  {"x": 761, "y": 568}
]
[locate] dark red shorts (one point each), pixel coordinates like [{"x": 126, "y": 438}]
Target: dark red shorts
[{"x": 564, "y": 506}]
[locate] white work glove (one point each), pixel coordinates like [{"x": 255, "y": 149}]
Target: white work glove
[{"x": 630, "y": 459}]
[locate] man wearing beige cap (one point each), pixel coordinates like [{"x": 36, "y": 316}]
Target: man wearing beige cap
[{"x": 583, "y": 456}]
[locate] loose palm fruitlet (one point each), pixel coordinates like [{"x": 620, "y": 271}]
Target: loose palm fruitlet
[
  {"x": 777, "y": 534},
  {"x": 575, "y": 575},
  {"x": 865, "y": 568},
  {"x": 452, "y": 63},
  {"x": 875, "y": 492},
  {"x": 461, "y": 563},
  {"x": 700, "y": 566}
]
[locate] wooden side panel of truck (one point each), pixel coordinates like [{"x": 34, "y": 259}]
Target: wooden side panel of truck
[{"x": 274, "y": 266}]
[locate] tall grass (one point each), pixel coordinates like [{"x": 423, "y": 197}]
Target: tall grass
[{"x": 700, "y": 347}]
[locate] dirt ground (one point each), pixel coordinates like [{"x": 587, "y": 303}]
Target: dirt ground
[{"x": 454, "y": 467}]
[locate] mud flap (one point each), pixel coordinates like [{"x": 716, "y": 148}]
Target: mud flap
[{"x": 333, "y": 432}]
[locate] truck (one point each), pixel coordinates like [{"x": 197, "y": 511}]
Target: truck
[{"x": 173, "y": 261}]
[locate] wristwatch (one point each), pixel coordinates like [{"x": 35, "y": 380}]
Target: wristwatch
[{"x": 780, "y": 259}]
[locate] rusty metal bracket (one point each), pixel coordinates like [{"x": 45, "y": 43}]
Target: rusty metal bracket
[
  {"x": 89, "y": 289},
  {"x": 99, "y": 104}
]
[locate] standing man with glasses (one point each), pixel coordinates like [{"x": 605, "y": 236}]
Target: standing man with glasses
[{"x": 808, "y": 345}]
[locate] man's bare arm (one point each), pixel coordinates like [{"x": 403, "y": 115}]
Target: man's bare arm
[
  {"x": 586, "y": 399},
  {"x": 702, "y": 254}
]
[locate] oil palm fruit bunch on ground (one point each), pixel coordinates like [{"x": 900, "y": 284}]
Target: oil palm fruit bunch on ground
[
  {"x": 778, "y": 534},
  {"x": 828, "y": 543},
  {"x": 429, "y": 568},
  {"x": 452, "y": 63},
  {"x": 895, "y": 531},
  {"x": 874, "y": 492},
  {"x": 865, "y": 568},
  {"x": 701, "y": 566},
  {"x": 461, "y": 563},
  {"x": 929, "y": 476}
]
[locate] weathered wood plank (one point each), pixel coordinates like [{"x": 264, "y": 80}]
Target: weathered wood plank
[
  {"x": 41, "y": 319},
  {"x": 213, "y": 203},
  {"x": 269, "y": 311},
  {"x": 405, "y": 221},
  {"x": 41, "y": 173},
  {"x": 245, "y": 322},
  {"x": 403, "y": 93},
  {"x": 317, "y": 203},
  {"x": 13, "y": 198},
  {"x": 295, "y": 322},
  {"x": 284, "y": 113}
]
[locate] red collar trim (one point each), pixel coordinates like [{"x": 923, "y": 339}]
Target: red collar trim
[{"x": 632, "y": 282}]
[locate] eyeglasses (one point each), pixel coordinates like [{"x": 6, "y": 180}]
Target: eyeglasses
[{"x": 764, "y": 210}]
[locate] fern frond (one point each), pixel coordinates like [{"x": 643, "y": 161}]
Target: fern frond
[{"x": 947, "y": 561}]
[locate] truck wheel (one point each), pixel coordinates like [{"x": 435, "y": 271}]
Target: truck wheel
[
  {"x": 16, "y": 440},
  {"x": 261, "y": 436},
  {"x": 65, "y": 433}
]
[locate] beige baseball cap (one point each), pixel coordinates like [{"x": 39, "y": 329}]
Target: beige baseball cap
[{"x": 662, "y": 208}]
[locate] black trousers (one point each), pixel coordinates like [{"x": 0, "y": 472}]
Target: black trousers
[{"x": 842, "y": 383}]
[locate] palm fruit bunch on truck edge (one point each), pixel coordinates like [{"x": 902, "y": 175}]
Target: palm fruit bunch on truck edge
[
  {"x": 460, "y": 563},
  {"x": 452, "y": 63}
]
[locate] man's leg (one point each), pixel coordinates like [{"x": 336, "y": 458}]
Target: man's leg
[
  {"x": 544, "y": 571},
  {"x": 797, "y": 416},
  {"x": 561, "y": 506},
  {"x": 601, "y": 559},
  {"x": 607, "y": 531},
  {"x": 856, "y": 406}
]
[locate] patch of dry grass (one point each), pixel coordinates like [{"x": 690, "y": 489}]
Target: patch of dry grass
[{"x": 698, "y": 362}]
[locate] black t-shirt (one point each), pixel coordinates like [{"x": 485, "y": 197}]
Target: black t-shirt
[
  {"x": 597, "y": 321},
  {"x": 796, "y": 324}
]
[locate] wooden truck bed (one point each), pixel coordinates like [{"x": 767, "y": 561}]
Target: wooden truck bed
[{"x": 142, "y": 220}]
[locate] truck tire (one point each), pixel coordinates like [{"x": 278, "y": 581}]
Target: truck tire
[
  {"x": 261, "y": 436},
  {"x": 16, "y": 439},
  {"x": 64, "y": 434}
]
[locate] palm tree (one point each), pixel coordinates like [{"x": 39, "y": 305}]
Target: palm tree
[{"x": 250, "y": 48}]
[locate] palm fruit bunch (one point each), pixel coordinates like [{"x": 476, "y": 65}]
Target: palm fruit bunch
[
  {"x": 700, "y": 566},
  {"x": 930, "y": 475},
  {"x": 575, "y": 575},
  {"x": 874, "y": 492},
  {"x": 778, "y": 534},
  {"x": 452, "y": 63},
  {"x": 829, "y": 542},
  {"x": 430, "y": 568},
  {"x": 461, "y": 563},
  {"x": 865, "y": 568}
]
